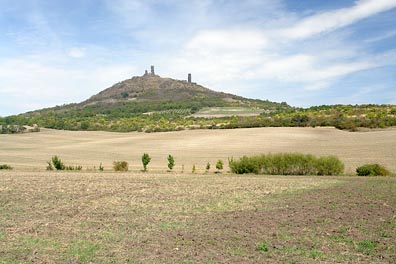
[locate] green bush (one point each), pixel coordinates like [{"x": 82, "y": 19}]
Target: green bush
[
  {"x": 329, "y": 165},
  {"x": 120, "y": 165},
  {"x": 245, "y": 165},
  {"x": 372, "y": 170},
  {"x": 57, "y": 163},
  {"x": 288, "y": 164},
  {"x": 145, "y": 160},
  {"x": 5, "y": 167},
  {"x": 219, "y": 165},
  {"x": 207, "y": 167},
  {"x": 73, "y": 168},
  {"x": 171, "y": 162}
]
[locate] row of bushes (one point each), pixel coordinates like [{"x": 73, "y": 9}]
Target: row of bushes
[
  {"x": 56, "y": 163},
  {"x": 299, "y": 164},
  {"x": 270, "y": 164},
  {"x": 123, "y": 165},
  {"x": 288, "y": 164}
]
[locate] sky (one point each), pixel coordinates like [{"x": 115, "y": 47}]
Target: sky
[{"x": 305, "y": 53}]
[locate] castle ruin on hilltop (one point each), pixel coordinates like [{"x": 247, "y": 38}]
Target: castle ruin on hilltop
[{"x": 152, "y": 73}]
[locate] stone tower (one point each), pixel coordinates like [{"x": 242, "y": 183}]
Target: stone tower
[
  {"x": 152, "y": 70},
  {"x": 189, "y": 78}
]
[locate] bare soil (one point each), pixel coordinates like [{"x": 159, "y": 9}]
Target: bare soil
[{"x": 49, "y": 217}]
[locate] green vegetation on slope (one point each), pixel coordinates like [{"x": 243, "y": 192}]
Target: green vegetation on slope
[{"x": 154, "y": 104}]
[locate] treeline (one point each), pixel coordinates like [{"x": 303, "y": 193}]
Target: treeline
[
  {"x": 161, "y": 116},
  {"x": 126, "y": 116}
]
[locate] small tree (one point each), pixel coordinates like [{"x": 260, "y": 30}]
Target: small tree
[
  {"x": 171, "y": 162},
  {"x": 219, "y": 165},
  {"x": 207, "y": 167},
  {"x": 145, "y": 160}
]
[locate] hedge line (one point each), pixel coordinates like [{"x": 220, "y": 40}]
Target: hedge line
[{"x": 288, "y": 164}]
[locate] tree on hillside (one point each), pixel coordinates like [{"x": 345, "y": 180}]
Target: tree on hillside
[
  {"x": 171, "y": 162},
  {"x": 145, "y": 160}
]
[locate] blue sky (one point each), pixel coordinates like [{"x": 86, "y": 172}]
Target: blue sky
[{"x": 303, "y": 52}]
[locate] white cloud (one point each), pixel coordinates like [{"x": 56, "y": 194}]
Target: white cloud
[
  {"x": 76, "y": 52},
  {"x": 34, "y": 83},
  {"x": 328, "y": 21},
  {"x": 243, "y": 47},
  {"x": 230, "y": 54},
  {"x": 231, "y": 40}
]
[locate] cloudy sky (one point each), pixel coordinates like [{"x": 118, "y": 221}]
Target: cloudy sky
[{"x": 306, "y": 53}]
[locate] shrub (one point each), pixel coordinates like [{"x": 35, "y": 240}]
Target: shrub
[
  {"x": 5, "y": 167},
  {"x": 57, "y": 163},
  {"x": 194, "y": 169},
  {"x": 73, "y": 168},
  {"x": 171, "y": 162},
  {"x": 120, "y": 165},
  {"x": 245, "y": 165},
  {"x": 207, "y": 167},
  {"x": 219, "y": 165},
  {"x": 145, "y": 160},
  {"x": 287, "y": 164},
  {"x": 329, "y": 165},
  {"x": 372, "y": 170},
  {"x": 101, "y": 168}
]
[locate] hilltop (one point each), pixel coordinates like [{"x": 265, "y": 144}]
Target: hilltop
[
  {"x": 152, "y": 103},
  {"x": 147, "y": 103},
  {"x": 154, "y": 87}
]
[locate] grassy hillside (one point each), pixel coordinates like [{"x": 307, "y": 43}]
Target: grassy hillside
[
  {"x": 151, "y": 103},
  {"x": 148, "y": 103}
]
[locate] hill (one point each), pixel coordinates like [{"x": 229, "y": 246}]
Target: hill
[
  {"x": 154, "y": 87},
  {"x": 146, "y": 103},
  {"x": 151, "y": 103}
]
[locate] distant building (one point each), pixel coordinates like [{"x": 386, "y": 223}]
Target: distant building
[
  {"x": 152, "y": 70},
  {"x": 189, "y": 78}
]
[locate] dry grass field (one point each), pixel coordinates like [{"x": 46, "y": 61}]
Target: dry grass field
[{"x": 89, "y": 149}]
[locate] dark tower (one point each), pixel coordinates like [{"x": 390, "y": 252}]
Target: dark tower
[
  {"x": 189, "y": 78},
  {"x": 152, "y": 70}
]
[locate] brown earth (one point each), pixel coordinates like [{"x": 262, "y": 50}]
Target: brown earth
[{"x": 62, "y": 217}]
